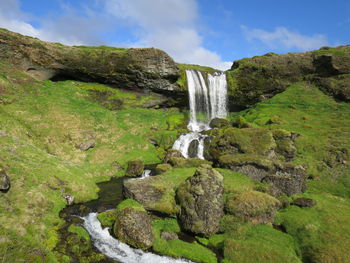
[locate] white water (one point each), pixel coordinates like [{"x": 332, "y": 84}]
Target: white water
[
  {"x": 206, "y": 103},
  {"x": 146, "y": 173},
  {"x": 117, "y": 250}
]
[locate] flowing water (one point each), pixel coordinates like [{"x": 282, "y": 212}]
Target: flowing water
[
  {"x": 117, "y": 250},
  {"x": 207, "y": 100}
]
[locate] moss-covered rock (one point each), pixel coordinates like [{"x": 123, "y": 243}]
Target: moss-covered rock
[
  {"x": 4, "y": 181},
  {"x": 135, "y": 168},
  {"x": 253, "y": 206},
  {"x": 219, "y": 123},
  {"x": 107, "y": 218},
  {"x": 163, "y": 168},
  {"x": 187, "y": 163},
  {"x": 201, "y": 201}
]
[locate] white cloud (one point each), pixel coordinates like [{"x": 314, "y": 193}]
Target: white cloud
[
  {"x": 283, "y": 38},
  {"x": 168, "y": 25}
]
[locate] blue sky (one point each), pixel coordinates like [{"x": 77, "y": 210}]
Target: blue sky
[{"x": 205, "y": 32}]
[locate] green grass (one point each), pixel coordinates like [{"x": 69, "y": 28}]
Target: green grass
[
  {"x": 42, "y": 125},
  {"x": 178, "y": 248},
  {"x": 339, "y": 52}
]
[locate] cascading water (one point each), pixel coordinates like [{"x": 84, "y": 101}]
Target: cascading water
[
  {"x": 117, "y": 250},
  {"x": 207, "y": 101}
]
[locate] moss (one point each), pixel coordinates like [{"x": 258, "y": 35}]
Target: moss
[
  {"x": 107, "y": 218},
  {"x": 178, "y": 248},
  {"x": 163, "y": 168},
  {"x": 176, "y": 121},
  {"x": 242, "y": 159},
  {"x": 79, "y": 231},
  {"x": 187, "y": 163},
  {"x": 130, "y": 203}
]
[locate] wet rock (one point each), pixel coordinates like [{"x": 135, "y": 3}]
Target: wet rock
[
  {"x": 169, "y": 235},
  {"x": 219, "y": 123},
  {"x": 134, "y": 228},
  {"x": 201, "y": 200},
  {"x": 304, "y": 202},
  {"x": 163, "y": 168},
  {"x": 135, "y": 168},
  {"x": 4, "y": 181},
  {"x": 193, "y": 149},
  {"x": 69, "y": 198},
  {"x": 172, "y": 153},
  {"x": 84, "y": 146},
  {"x": 255, "y": 207}
]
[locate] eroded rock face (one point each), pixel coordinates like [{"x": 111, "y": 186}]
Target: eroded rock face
[
  {"x": 261, "y": 154},
  {"x": 4, "y": 181},
  {"x": 142, "y": 68},
  {"x": 201, "y": 200},
  {"x": 134, "y": 228}
]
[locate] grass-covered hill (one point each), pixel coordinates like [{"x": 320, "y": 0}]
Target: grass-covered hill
[{"x": 61, "y": 136}]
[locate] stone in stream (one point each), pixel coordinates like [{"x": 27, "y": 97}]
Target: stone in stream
[
  {"x": 193, "y": 149},
  {"x": 135, "y": 168},
  {"x": 133, "y": 225},
  {"x": 201, "y": 201},
  {"x": 4, "y": 181}
]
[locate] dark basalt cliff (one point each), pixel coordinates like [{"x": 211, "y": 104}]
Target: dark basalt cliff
[
  {"x": 145, "y": 68},
  {"x": 255, "y": 79}
]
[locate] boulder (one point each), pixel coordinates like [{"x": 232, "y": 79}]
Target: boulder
[
  {"x": 150, "y": 195},
  {"x": 201, "y": 200},
  {"x": 84, "y": 146},
  {"x": 253, "y": 206},
  {"x": 135, "y": 168},
  {"x": 133, "y": 226},
  {"x": 169, "y": 235},
  {"x": 219, "y": 123},
  {"x": 163, "y": 168},
  {"x": 304, "y": 202},
  {"x": 69, "y": 198},
  {"x": 187, "y": 163},
  {"x": 193, "y": 149},
  {"x": 172, "y": 153},
  {"x": 4, "y": 181}
]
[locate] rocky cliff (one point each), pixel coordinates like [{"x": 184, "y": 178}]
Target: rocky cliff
[
  {"x": 142, "y": 68},
  {"x": 256, "y": 79}
]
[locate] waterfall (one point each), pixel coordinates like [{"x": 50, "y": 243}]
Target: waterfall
[
  {"x": 117, "y": 250},
  {"x": 207, "y": 100}
]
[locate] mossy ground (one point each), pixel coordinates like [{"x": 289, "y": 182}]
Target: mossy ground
[{"x": 41, "y": 124}]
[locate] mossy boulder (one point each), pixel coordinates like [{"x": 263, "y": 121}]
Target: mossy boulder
[
  {"x": 201, "y": 200},
  {"x": 135, "y": 168},
  {"x": 304, "y": 202},
  {"x": 163, "y": 168},
  {"x": 253, "y": 206},
  {"x": 219, "y": 123},
  {"x": 172, "y": 153},
  {"x": 107, "y": 218},
  {"x": 133, "y": 225}
]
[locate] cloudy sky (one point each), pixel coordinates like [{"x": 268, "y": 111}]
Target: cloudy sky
[{"x": 205, "y": 32}]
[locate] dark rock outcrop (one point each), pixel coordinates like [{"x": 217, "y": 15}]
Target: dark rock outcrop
[
  {"x": 255, "y": 79},
  {"x": 304, "y": 202},
  {"x": 4, "y": 181},
  {"x": 201, "y": 201},
  {"x": 142, "y": 68},
  {"x": 134, "y": 228},
  {"x": 135, "y": 168},
  {"x": 261, "y": 154}
]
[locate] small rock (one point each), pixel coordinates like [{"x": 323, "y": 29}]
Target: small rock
[
  {"x": 84, "y": 146},
  {"x": 135, "y": 168},
  {"x": 69, "y": 198},
  {"x": 4, "y": 181},
  {"x": 304, "y": 202},
  {"x": 169, "y": 235}
]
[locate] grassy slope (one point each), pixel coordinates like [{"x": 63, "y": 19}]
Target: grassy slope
[
  {"x": 41, "y": 124},
  {"x": 322, "y": 232}
]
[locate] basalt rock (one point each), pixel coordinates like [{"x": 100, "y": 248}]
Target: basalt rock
[
  {"x": 201, "y": 201},
  {"x": 304, "y": 202},
  {"x": 4, "y": 181},
  {"x": 256, "y": 79},
  {"x": 134, "y": 228},
  {"x": 140, "y": 68}
]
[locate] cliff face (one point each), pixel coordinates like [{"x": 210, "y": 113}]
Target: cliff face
[
  {"x": 145, "y": 68},
  {"x": 255, "y": 79}
]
